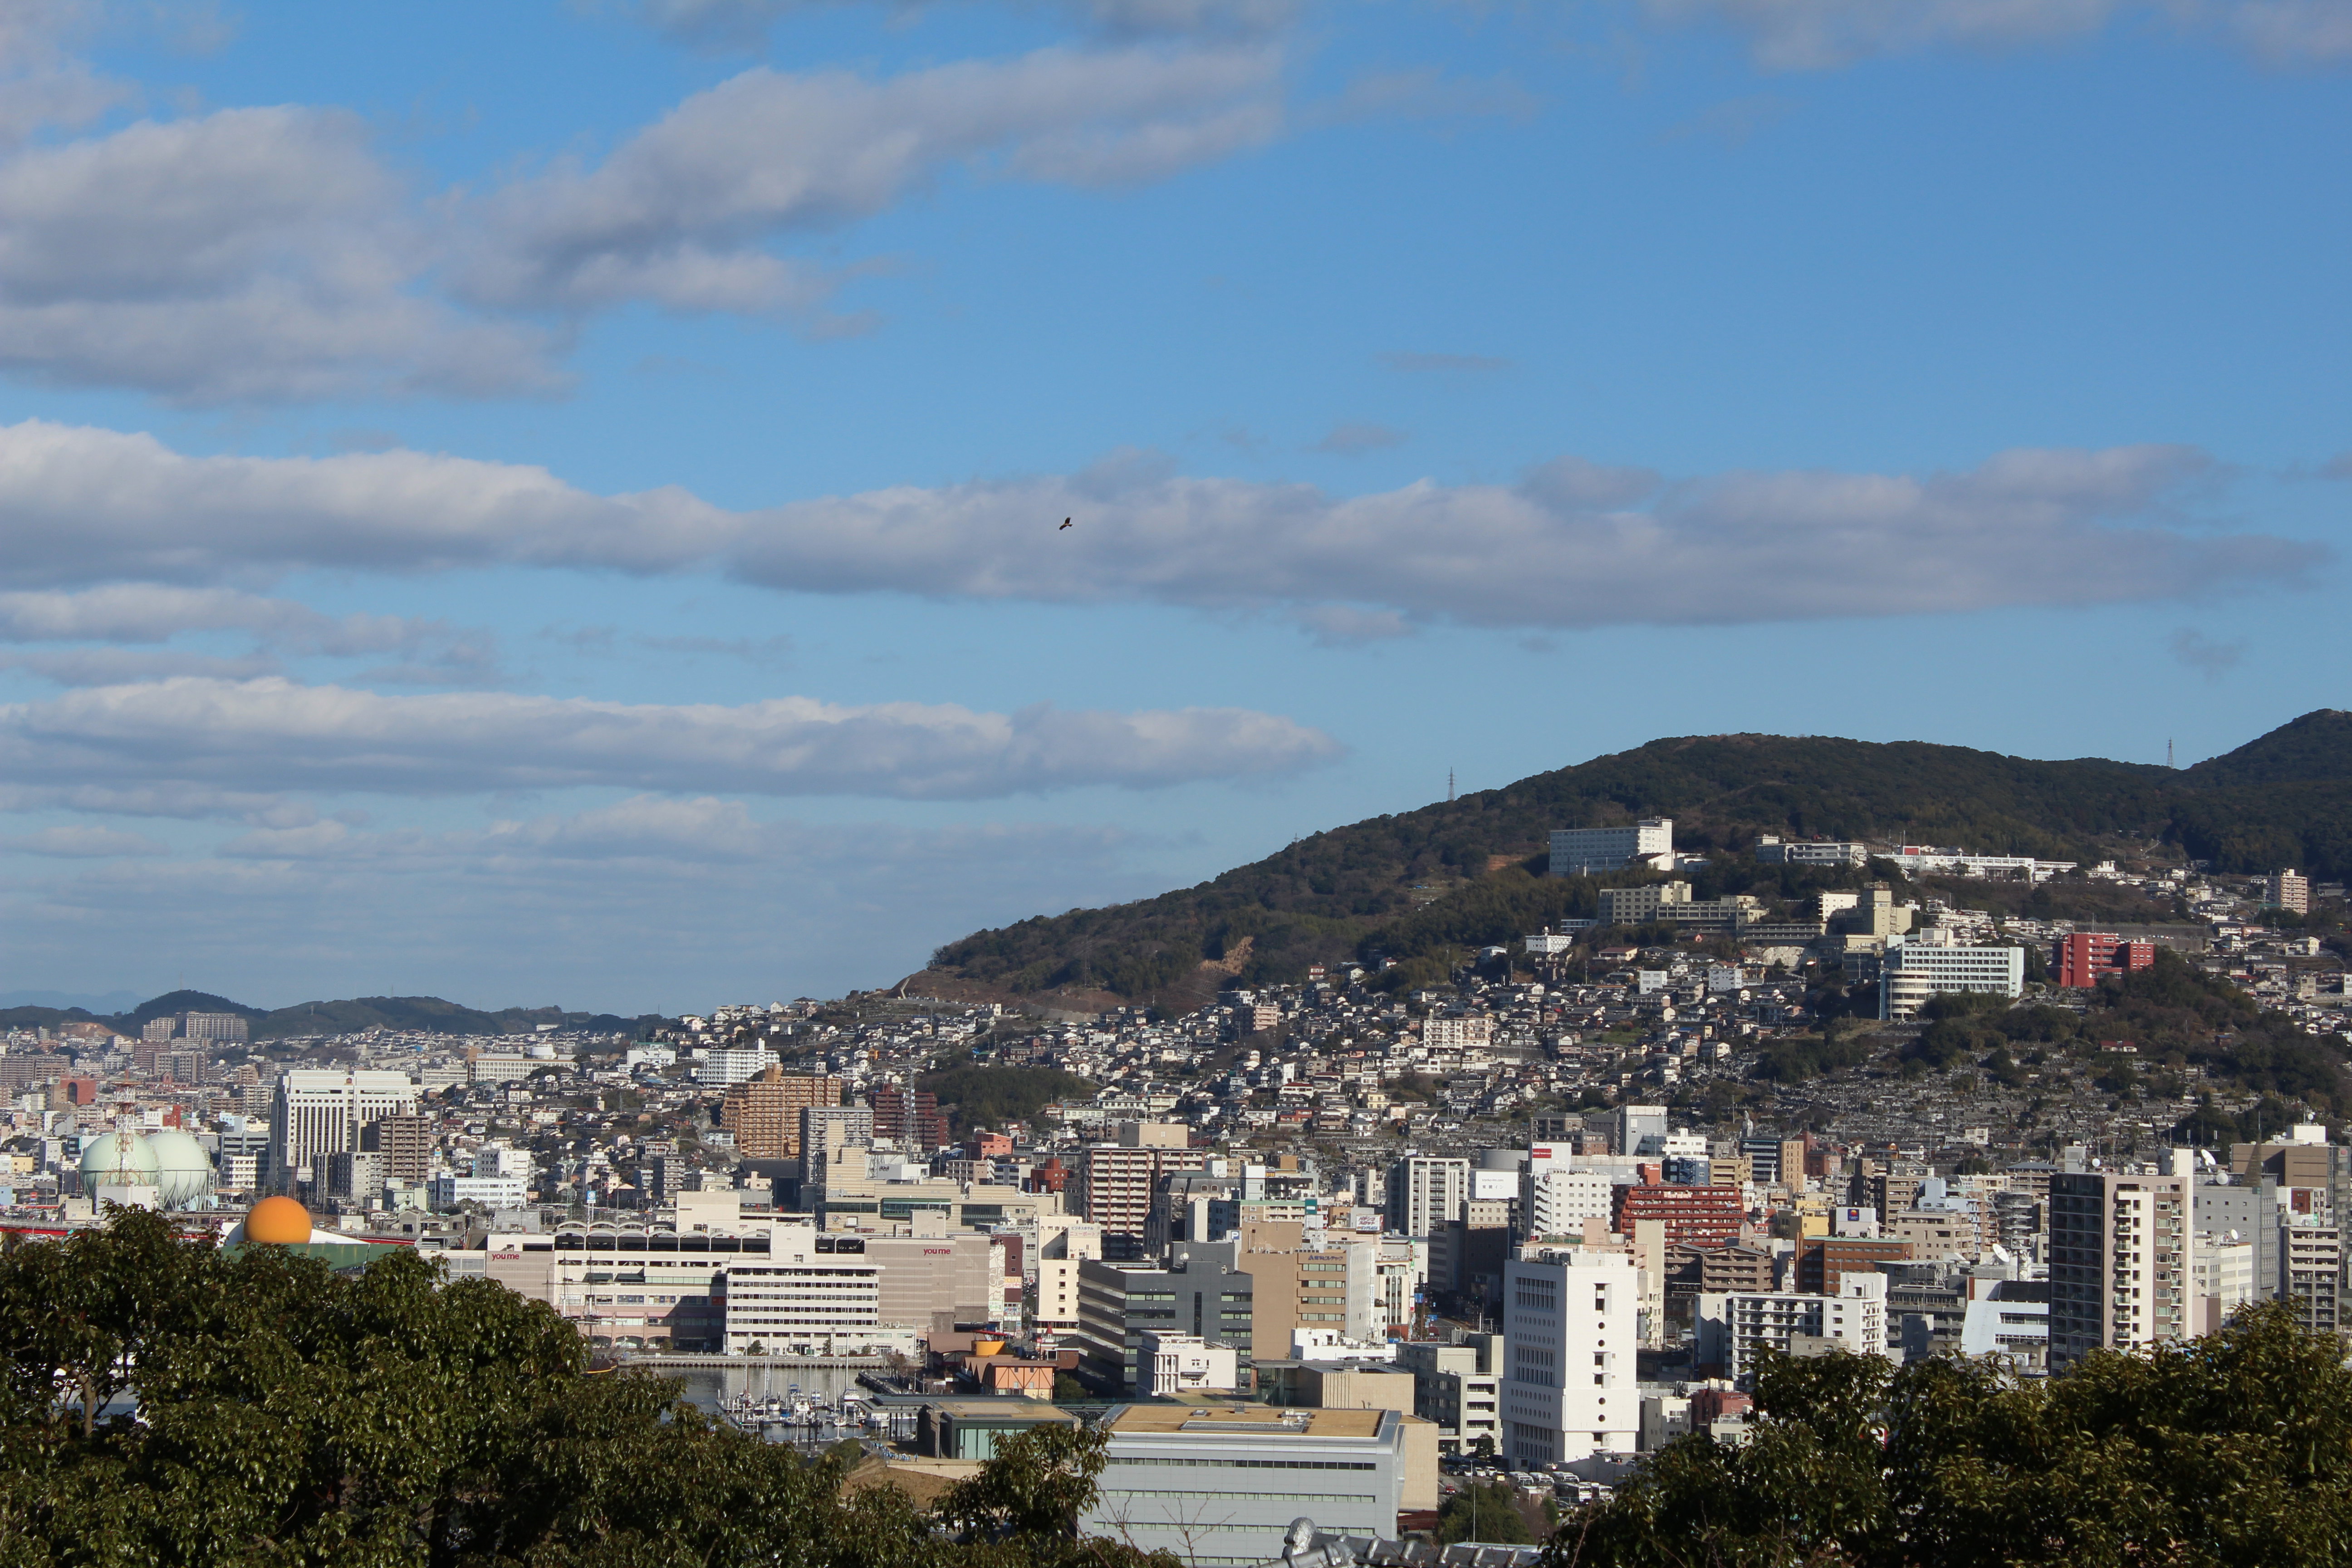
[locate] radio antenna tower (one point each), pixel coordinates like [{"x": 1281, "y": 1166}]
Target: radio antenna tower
[
  {"x": 2168, "y": 754},
  {"x": 1449, "y": 786}
]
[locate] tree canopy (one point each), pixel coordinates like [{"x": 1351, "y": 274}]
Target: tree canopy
[
  {"x": 2226, "y": 1451},
  {"x": 289, "y": 1416}
]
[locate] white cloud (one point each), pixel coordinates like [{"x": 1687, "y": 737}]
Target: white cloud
[
  {"x": 1814, "y": 34},
  {"x": 271, "y": 733},
  {"x": 1344, "y": 625},
  {"x": 155, "y": 613},
  {"x": 42, "y": 84},
  {"x": 1574, "y": 543},
  {"x": 113, "y": 665},
  {"x": 681, "y": 213},
  {"x": 271, "y": 254},
  {"x": 264, "y": 254},
  {"x": 1820, "y": 35},
  {"x": 251, "y": 253},
  {"x": 80, "y": 505},
  {"x": 1349, "y": 438},
  {"x": 2295, "y": 32},
  {"x": 1566, "y": 548},
  {"x": 83, "y": 841},
  {"x": 2210, "y": 657},
  {"x": 743, "y": 24},
  {"x": 647, "y": 903}
]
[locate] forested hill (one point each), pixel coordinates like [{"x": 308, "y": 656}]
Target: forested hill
[
  {"x": 422, "y": 1014},
  {"x": 1459, "y": 872}
]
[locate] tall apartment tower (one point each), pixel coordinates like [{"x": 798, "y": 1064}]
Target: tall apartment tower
[
  {"x": 319, "y": 1113},
  {"x": 2122, "y": 1262},
  {"x": 764, "y": 1111},
  {"x": 1569, "y": 1321},
  {"x": 909, "y": 1117},
  {"x": 404, "y": 1141},
  {"x": 1115, "y": 1185},
  {"x": 825, "y": 1127},
  {"x": 2289, "y": 891},
  {"x": 1427, "y": 1193}
]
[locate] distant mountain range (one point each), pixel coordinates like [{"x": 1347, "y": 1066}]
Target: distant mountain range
[
  {"x": 1468, "y": 871},
  {"x": 407, "y": 1013}
]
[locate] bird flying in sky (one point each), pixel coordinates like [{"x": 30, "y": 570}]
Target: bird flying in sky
[{"x": 1066, "y": 522}]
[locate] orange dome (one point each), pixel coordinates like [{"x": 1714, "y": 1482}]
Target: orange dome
[{"x": 278, "y": 1219}]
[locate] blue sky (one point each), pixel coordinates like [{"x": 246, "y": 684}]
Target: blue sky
[{"x": 556, "y": 502}]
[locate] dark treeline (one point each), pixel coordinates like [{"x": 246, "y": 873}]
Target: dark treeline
[{"x": 289, "y": 1418}]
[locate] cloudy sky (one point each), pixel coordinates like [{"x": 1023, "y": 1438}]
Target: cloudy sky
[{"x": 558, "y": 501}]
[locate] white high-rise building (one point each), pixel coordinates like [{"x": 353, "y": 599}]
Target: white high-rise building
[
  {"x": 724, "y": 1065},
  {"x": 1558, "y": 1201},
  {"x": 1735, "y": 1326},
  {"x": 1580, "y": 851},
  {"x": 1425, "y": 1192},
  {"x": 1569, "y": 1319},
  {"x": 318, "y": 1113},
  {"x": 1916, "y": 971}
]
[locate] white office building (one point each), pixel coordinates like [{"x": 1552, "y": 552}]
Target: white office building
[
  {"x": 1427, "y": 1193},
  {"x": 1638, "y": 1129},
  {"x": 1219, "y": 1484},
  {"x": 724, "y": 1064},
  {"x": 1771, "y": 851},
  {"x": 2225, "y": 1277},
  {"x": 1167, "y": 1364},
  {"x": 447, "y": 1191},
  {"x": 319, "y": 1113},
  {"x": 1582, "y": 851},
  {"x": 1570, "y": 1324},
  {"x": 2008, "y": 1318},
  {"x": 1916, "y": 971},
  {"x": 1917, "y": 858},
  {"x": 1459, "y": 1388},
  {"x": 1558, "y": 1201},
  {"x": 1735, "y": 1326},
  {"x": 803, "y": 1301}
]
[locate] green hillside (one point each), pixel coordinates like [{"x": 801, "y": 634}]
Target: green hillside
[
  {"x": 429, "y": 1013},
  {"x": 1459, "y": 873}
]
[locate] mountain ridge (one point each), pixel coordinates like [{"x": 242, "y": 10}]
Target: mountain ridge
[
  {"x": 427, "y": 1013},
  {"x": 1467, "y": 871}
]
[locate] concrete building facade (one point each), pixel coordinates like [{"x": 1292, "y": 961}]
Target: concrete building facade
[
  {"x": 2122, "y": 1262},
  {"x": 1570, "y": 1321},
  {"x": 1582, "y": 851}
]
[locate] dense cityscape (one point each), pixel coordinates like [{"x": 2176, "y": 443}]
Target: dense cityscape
[{"x": 1393, "y": 1228}]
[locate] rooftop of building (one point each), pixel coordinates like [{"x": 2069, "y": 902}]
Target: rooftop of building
[
  {"x": 1000, "y": 1408},
  {"x": 1243, "y": 1420}
]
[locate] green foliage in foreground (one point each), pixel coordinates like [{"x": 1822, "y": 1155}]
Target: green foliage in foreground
[
  {"x": 2231, "y": 1451},
  {"x": 292, "y": 1418},
  {"x": 1485, "y": 1511}
]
